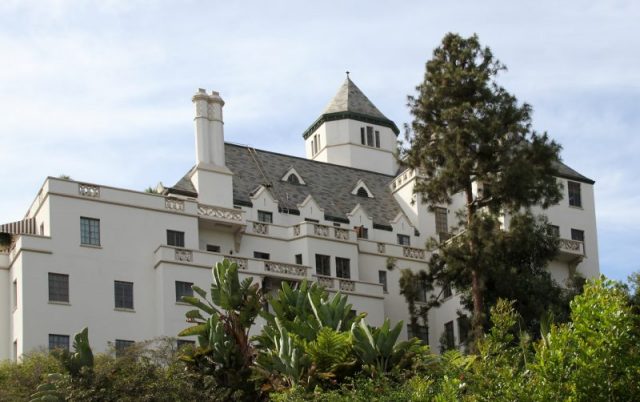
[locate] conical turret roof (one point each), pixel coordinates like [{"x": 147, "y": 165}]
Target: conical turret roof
[{"x": 351, "y": 103}]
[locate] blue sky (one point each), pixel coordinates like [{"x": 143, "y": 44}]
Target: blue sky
[{"x": 101, "y": 90}]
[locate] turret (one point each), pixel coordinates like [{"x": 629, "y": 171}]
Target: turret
[{"x": 351, "y": 131}]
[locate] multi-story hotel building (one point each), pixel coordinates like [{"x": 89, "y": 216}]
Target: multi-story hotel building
[{"x": 118, "y": 260}]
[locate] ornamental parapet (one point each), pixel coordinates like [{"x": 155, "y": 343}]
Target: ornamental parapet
[
  {"x": 282, "y": 268},
  {"x": 411, "y": 252},
  {"x": 349, "y": 286},
  {"x": 221, "y": 214},
  {"x": 89, "y": 190}
]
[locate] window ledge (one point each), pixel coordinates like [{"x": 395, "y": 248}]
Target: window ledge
[
  {"x": 59, "y": 303},
  {"x": 124, "y": 310},
  {"x": 576, "y": 207},
  {"x": 180, "y": 303},
  {"x": 90, "y": 245}
]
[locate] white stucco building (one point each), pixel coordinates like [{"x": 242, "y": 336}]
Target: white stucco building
[{"x": 117, "y": 260}]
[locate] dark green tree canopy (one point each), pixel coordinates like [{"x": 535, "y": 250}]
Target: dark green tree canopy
[{"x": 468, "y": 128}]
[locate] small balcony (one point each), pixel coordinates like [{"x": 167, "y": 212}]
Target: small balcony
[
  {"x": 570, "y": 250},
  {"x": 345, "y": 285},
  {"x": 219, "y": 217}
]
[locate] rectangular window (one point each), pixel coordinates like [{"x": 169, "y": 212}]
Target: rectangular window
[
  {"x": 446, "y": 291},
  {"x": 42, "y": 229},
  {"x": 213, "y": 248},
  {"x": 264, "y": 216},
  {"x": 382, "y": 279},
  {"x": 370, "y": 136},
  {"x": 261, "y": 255},
  {"x": 362, "y": 232},
  {"x": 377, "y": 139},
  {"x": 362, "y": 136},
  {"x": 464, "y": 327},
  {"x": 299, "y": 259},
  {"x": 575, "y": 197},
  {"x": 122, "y": 346},
  {"x": 323, "y": 265},
  {"x": 449, "y": 338},
  {"x": 175, "y": 238},
  {"x": 577, "y": 235},
  {"x": 183, "y": 289},
  {"x": 422, "y": 333},
  {"x": 58, "y": 342},
  {"x": 89, "y": 231},
  {"x": 422, "y": 292},
  {"x": 343, "y": 269},
  {"x": 58, "y": 288},
  {"x": 554, "y": 230},
  {"x": 442, "y": 226},
  {"x": 123, "y": 294},
  {"x": 404, "y": 240}
]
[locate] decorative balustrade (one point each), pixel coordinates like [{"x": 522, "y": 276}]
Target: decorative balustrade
[
  {"x": 261, "y": 228},
  {"x": 281, "y": 268},
  {"x": 220, "y": 213},
  {"x": 571, "y": 245},
  {"x": 411, "y": 252},
  {"x": 174, "y": 203},
  {"x": 347, "y": 285},
  {"x": 382, "y": 248},
  {"x": 325, "y": 282},
  {"x": 183, "y": 255},
  {"x": 321, "y": 230},
  {"x": 341, "y": 234},
  {"x": 241, "y": 262},
  {"x": 88, "y": 190},
  {"x": 296, "y": 230}
]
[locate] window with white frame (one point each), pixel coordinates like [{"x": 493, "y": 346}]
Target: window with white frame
[
  {"x": 404, "y": 240},
  {"x": 323, "y": 265}
]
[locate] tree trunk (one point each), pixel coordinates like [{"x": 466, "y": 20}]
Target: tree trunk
[{"x": 476, "y": 281}]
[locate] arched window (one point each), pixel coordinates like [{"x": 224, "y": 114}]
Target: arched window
[{"x": 362, "y": 192}]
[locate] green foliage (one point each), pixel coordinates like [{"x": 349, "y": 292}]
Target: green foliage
[
  {"x": 469, "y": 130},
  {"x": 19, "y": 380},
  {"x": 224, "y": 351},
  {"x": 379, "y": 351}
]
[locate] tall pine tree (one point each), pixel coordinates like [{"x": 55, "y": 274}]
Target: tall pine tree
[{"x": 467, "y": 131}]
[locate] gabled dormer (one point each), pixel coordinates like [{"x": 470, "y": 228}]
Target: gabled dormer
[
  {"x": 351, "y": 131},
  {"x": 361, "y": 190}
]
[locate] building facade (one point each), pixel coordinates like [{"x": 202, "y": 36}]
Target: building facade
[{"x": 118, "y": 260}]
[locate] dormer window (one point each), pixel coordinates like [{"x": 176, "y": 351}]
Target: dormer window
[
  {"x": 361, "y": 190},
  {"x": 369, "y": 137},
  {"x": 293, "y": 177}
]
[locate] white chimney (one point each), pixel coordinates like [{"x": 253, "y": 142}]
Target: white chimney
[
  {"x": 209, "y": 128},
  {"x": 212, "y": 179}
]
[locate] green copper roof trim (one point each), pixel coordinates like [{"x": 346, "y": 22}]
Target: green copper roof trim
[{"x": 353, "y": 116}]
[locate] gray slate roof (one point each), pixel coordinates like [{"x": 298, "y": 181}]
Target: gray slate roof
[
  {"x": 330, "y": 185},
  {"x": 351, "y": 103},
  {"x": 350, "y": 98}
]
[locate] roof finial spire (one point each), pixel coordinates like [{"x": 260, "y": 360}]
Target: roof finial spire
[{"x": 347, "y": 73}]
